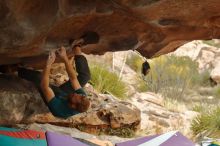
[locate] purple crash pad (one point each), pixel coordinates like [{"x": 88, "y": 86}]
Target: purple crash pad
[
  {"x": 136, "y": 141},
  {"x": 55, "y": 139},
  {"x": 177, "y": 140}
]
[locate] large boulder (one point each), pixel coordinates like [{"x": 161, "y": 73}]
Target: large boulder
[
  {"x": 205, "y": 55},
  {"x": 20, "y": 102},
  {"x": 215, "y": 73},
  {"x": 30, "y": 28}
]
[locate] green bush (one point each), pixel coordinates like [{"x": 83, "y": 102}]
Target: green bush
[
  {"x": 212, "y": 43},
  {"x": 134, "y": 61},
  {"x": 202, "y": 107},
  {"x": 140, "y": 85},
  {"x": 207, "y": 123},
  {"x": 197, "y": 108},
  {"x": 171, "y": 76},
  {"x": 105, "y": 81},
  {"x": 216, "y": 92},
  {"x": 174, "y": 105},
  {"x": 202, "y": 79}
]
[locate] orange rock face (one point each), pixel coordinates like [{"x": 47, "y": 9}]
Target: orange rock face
[{"x": 30, "y": 28}]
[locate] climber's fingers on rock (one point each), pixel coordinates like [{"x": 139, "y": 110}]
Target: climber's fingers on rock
[
  {"x": 77, "y": 42},
  {"x": 62, "y": 52},
  {"x": 52, "y": 54},
  {"x": 51, "y": 57}
]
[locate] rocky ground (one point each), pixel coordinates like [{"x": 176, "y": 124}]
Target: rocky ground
[{"x": 156, "y": 118}]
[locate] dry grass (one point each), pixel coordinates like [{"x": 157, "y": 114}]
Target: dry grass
[
  {"x": 105, "y": 81},
  {"x": 174, "y": 105}
]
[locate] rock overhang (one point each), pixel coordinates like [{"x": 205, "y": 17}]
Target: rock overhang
[{"x": 29, "y": 29}]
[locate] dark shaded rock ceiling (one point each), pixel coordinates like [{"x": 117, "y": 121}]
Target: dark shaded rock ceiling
[{"x": 30, "y": 28}]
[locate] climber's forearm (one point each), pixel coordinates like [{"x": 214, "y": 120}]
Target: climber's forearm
[
  {"x": 47, "y": 91},
  {"x": 45, "y": 77},
  {"x": 72, "y": 74},
  {"x": 69, "y": 68}
]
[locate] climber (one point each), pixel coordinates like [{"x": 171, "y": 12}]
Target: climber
[{"x": 68, "y": 99}]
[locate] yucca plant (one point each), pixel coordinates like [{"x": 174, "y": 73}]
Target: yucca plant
[{"x": 207, "y": 123}]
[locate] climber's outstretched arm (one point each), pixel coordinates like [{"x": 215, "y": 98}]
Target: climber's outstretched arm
[
  {"x": 47, "y": 91},
  {"x": 69, "y": 68}
]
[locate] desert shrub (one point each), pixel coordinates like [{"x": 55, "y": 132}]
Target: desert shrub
[
  {"x": 197, "y": 108},
  {"x": 174, "y": 105},
  {"x": 216, "y": 92},
  {"x": 103, "y": 80},
  {"x": 141, "y": 85},
  {"x": 134, "y": 61},
  {"x": 202, "y": 106},
  {"x": 202, "y": 79},
  {"x": 212, "y": 43},
  {"x": 171, "y": 76},
  {"x": 207, "y": 123}
]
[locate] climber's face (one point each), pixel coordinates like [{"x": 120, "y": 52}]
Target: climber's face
[
  {"x": 74, "y": 100},
  {"x": 79, "y": 102}
]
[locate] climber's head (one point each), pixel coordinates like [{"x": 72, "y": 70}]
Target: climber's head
[{"x": 79, "y": 102}]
